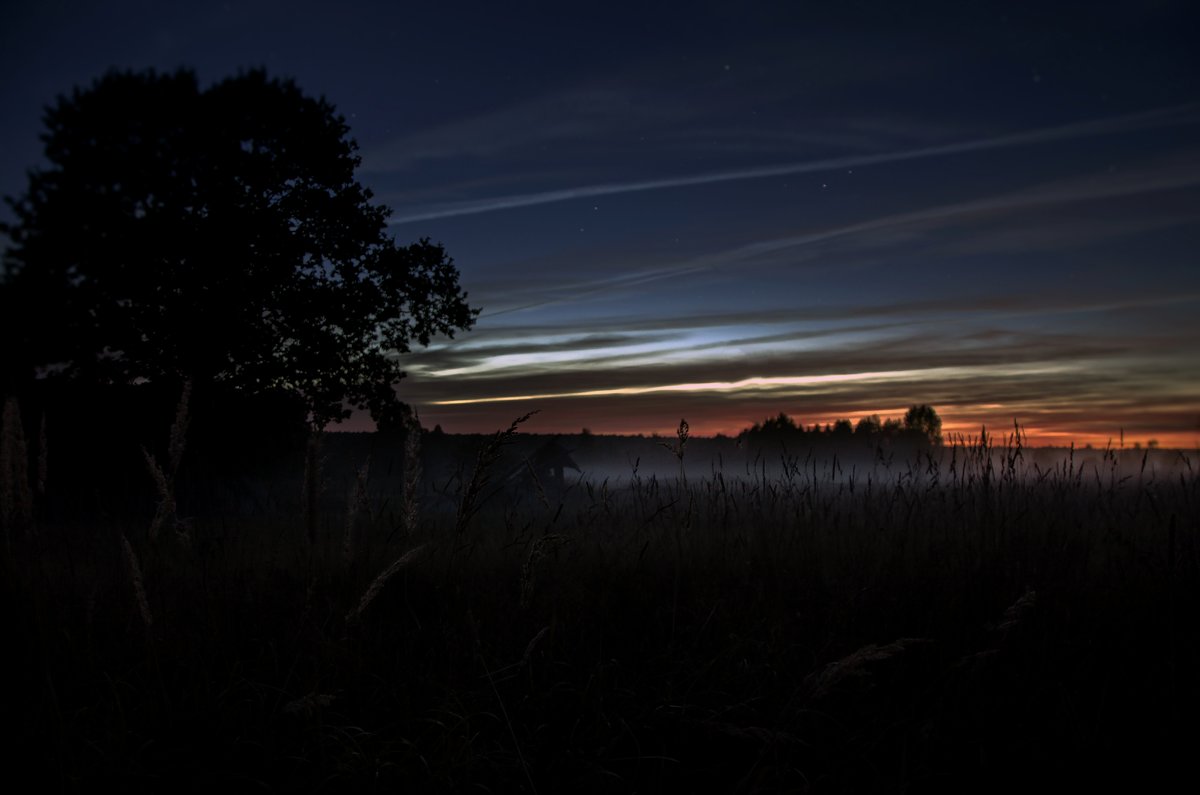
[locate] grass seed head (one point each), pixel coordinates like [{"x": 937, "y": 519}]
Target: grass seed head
[
  {"x": 135, "y": 578},
  {"x": 376, "y": 586},
  {"x": 856, "y": 666},
  {"x": 179, "y": 430}
]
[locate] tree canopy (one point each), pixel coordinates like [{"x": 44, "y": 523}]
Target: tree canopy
[{"x": 215, "y": 235}]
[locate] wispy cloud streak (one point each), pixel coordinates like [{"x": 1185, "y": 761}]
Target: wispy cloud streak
[
  {"x": 1151, "y": 119},
  {"x": 508, "y": 357},
  {"x": 1164, "y": 180},
  {"x": 776, "y": 382},
  {"x": 860, "y": 234}
]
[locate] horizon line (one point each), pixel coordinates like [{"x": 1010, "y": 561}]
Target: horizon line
[{"x": 950, "y": 439}]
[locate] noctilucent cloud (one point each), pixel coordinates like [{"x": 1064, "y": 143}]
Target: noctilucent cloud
[{"x": 721, "y": 211}]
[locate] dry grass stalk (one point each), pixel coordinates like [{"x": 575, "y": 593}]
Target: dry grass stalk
[
  {"x": 532, "y": 646},
  {"x": 677, "y": 449},
  {"x": 1016, "y": 613},
  {"x": 373, "y": 590},
  {"x": 312, "y": 485},
  {"x": 357, "y": 506},
  {"x": 179, "y": 427},
  {"x": 164, "y": 512},
  {"x": 412, "y": 473},
  {"x": 16, "y": 497},
  {"x": 539, "y": 549},
  {"x": 42, "y": 448},
  {"x": 537, "y": 483},
  {"x": 139, "y": 588},
  {"x": 489, "y": 453},
  {"x": 856, "y": 665},
  {"x": 308, "y": 705},
  {"x": 164, "y": 480}
]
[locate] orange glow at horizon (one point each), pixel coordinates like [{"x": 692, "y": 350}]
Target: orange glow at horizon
[{"x": 955, "y": 425}]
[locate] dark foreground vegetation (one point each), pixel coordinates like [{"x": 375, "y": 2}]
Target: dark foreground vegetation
[{"x": 959, "y": 621}]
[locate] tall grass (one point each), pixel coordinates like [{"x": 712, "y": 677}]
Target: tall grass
[{"x": 967, "y": 618}]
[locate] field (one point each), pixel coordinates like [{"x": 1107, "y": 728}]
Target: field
[{"x": 980, "y": 616}]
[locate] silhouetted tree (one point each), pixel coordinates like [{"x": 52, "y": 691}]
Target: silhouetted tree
[
  {"x": 217, "y": 235},
  {"x": 923, "y": 420},
  {"x": 869, "y": 426},
  {"x": 770, "y": 431},
  {"x": 780, "y": 426}
]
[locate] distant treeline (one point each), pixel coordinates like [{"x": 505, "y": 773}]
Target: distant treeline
[{"x": 921, "y": 424}]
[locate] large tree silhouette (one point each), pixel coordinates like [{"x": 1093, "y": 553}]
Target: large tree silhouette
[{"x": 217, "y": 235}]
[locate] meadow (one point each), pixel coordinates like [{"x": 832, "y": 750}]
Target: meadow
[{"x": 391, "y": 613}]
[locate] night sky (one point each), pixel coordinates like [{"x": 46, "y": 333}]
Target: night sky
[{"x": 721, "y": 211}]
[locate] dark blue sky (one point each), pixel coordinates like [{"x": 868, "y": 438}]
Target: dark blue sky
[{"x": 726, "y": 210}]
